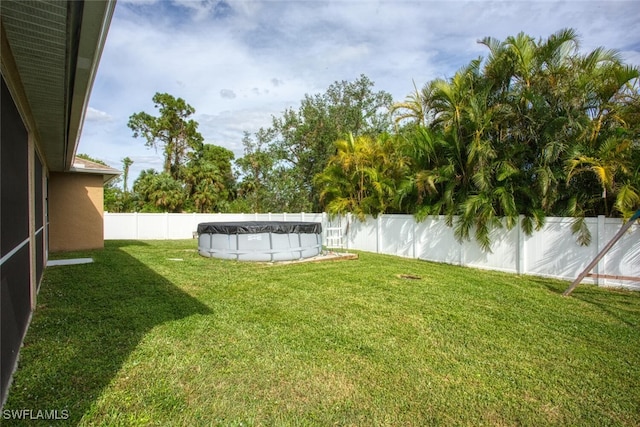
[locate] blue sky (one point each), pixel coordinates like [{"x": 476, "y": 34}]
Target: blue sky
[{"x": 238, "y": 63}]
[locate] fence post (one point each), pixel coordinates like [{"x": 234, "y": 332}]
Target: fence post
[
  {"x": 520, "y": 248},
  {"x": 600, "y": 242},
  {"x": 378, "y": 234},
  {"x": 461, "y": 243},
  {"x": 135, "y": 224},
  {"x": 413, "y": 237},
  {"x": 348, "y": 229},
  {"x": 166, "y": 225}
]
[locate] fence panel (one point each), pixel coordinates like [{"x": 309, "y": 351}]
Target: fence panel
[
  {"x": 313, "y": 217},
  {"x": 181, "y": 226},
  {"x": 152, "y": 226},
  {"x": 503, "y": 255},
  {"x": 436, "y": 242},
  {"x": 624, "y": 257},
  {"x": 552, "y": 251},
  {"x": 120, "y": 226},
  {"x": 397, "y": 235},
  {"x": 362, "y": 235}
]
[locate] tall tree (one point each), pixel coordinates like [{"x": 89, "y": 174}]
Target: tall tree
[
  {"x": 172, "y": 131},
  {"x": 300, "y": 142},
  {"x": 158, "y": 192},
  {"x": 126, "y": 164},
  {"x": 209, "y": 179},
  {"x": 602, "y": 164},
  {"x": 256, "y": 167},
  {"x": 534, "y": 129},
  {"x": 411, "y": 109},
  {"x": 363, "y": 176}
]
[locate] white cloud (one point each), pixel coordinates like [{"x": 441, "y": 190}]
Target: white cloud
[
  {"x": 270, "y": 54},
  {"x": 227, "y": 93},
  {"x": 199, "y": 9},
  {"x": 97, "y": 115},
  {"x": 226, "y": 127}
]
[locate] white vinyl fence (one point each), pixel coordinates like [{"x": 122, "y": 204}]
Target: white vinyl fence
[
  {"x": 550, "y": 252},
  {"x": 169, "y": 226}
]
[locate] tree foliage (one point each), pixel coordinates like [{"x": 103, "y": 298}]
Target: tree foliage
[
  {"x": 281, "y": 161},
  {"x": 196, "y": 176},
  {"x": 535, "y": 129},
  {"x": 126, "y": 164},
  {"x": 205, "y": 184},
  {"x": 172, "y": 131},
  {"x": 209, "y": 179},
  {"x": 158, "y": 192},
  {"x": 362, "y": 177}
]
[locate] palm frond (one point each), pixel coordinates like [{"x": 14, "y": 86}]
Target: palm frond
[{"x": 581, "y": 230}]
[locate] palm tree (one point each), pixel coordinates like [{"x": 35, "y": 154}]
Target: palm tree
[
  {"x": 536, "y": 129},
  {"x": 411, "y": 109},
  {"x": 607, "y": 146},
  {"x": 362, "y": 176},
  {"x": 126, "y": 163},
  {"x": 158, "y": 192}
]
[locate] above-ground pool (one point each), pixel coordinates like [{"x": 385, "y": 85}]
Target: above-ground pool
[{"x": 260, "y": 240}]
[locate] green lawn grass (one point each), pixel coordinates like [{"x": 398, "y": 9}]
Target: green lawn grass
[{"x": 140, "y": 338}]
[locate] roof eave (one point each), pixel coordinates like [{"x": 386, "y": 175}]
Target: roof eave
[
  {"x": 96, "y": 18},
  {"x": 108, "y": 175}
]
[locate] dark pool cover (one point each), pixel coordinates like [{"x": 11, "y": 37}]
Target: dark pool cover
[{"x": 255, "y": 227}]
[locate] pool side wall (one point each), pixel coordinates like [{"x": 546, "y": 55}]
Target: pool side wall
[{"x": 265, "y": 247}]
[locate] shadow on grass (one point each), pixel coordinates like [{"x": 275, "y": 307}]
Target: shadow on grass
[
  {"x": 615, "y": 303},
  {"x": 612, "y": 302},
  {"x": 88, "y": 320}
]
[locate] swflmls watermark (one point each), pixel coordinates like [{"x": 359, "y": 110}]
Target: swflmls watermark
[{"x": 35, "y": 414}]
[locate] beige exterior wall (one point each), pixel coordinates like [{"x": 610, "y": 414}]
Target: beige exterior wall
[{"x": 75, "y": 212}]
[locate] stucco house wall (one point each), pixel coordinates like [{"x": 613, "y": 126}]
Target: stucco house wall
[{"x": 75, "y": 211}]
